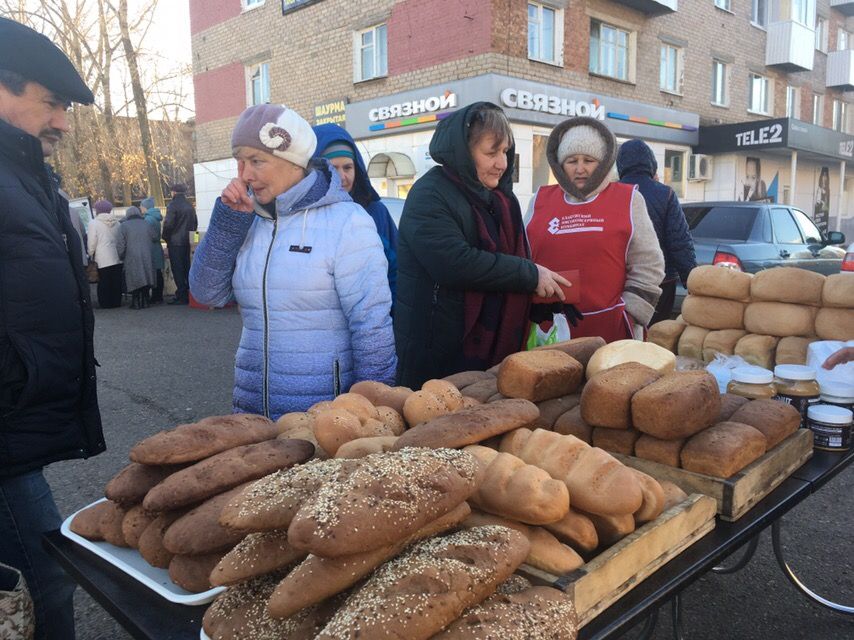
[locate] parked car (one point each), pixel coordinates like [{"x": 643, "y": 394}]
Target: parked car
[
  {"x": 395, "y": 208},
  {"x": 751, "y": 236},
  {"x": 848, "y": 262}
]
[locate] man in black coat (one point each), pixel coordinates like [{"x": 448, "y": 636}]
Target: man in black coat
[
  {"x": 637, "y": 165},
  {"x": 180, "y": 221},
  {"x": 48, "y": 403}
]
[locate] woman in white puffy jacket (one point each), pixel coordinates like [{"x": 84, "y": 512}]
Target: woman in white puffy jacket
[
  {"x": 304, "y": 263},
  {"x": 102, "y": 238}
]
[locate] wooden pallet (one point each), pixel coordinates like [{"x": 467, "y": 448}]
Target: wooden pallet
[
  {"x": 606, "y": 578},
  {"x": 737, "y": 494}
]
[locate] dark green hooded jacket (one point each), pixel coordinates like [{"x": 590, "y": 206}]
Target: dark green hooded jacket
[{"x": 438, "y": 259}]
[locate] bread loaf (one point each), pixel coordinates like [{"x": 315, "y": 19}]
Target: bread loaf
[
  {"x": 255, "y": 555},
  {"x": 136, "y": 521},
  {"x": 653, "y": 499},
  {"x": 433, "y": 583},
  {"x": 496, "y": 398},
  {"x": 673, "y": 495},
  {"x": 658, "y": 450},
  {"x": 111, "y": 525},
  {"x": 207, "y": 437},
  {"x": 779, "y": 319},
  {"x": 691, "y": 342},
  {"x": 776, "y": 420},
  {"x": 835, "y": 324},
  {"x": 607, "y": 397},
  {"x": 582, "y": 349},
  {"x": 151, "y": 541},
  {"x": 792, "y": 350},
  {"x": 436, "y": 398},
  {"x": 317, "y": 578},
  {"x": 666, "y": 334},
  {"x": 386, "y": 498},
  {"x": 838, "y": 291},
  {"x": 224, "y": 471},
  {"x": 382, "y": 395},
  {"x": 465, "y": 378},
  {"x": 576, "y": 530},
  {"x": 623, "y": 351},
  {"x": 514, "y": 489},
  {"x": 551, "y": 410},
  {"x": 677, "y": 405},
  {"x": 611, "y": 529},
  {"x": 572, "y": 424},
  {"x": 365, "y": 446},
  {"x": 615, "y": 440},
  {"x": 470, "y": 426},
  {"x": 129, "y": 486},
  {"x": 721, "y": 342},
  {"x": 597, "y": 482},
  {"x": 193, "y": 572},
  {"x": 199, "y": 531},
  {"x": 719, "y": 282},
  {"x": 317, "y": 407},
  {"x": 539, "y": 375},
  {"x": 300, "y": 426},
  {"x": 730, "y": 403},
  {"x": 337, "y": 426},
  {"x": 723, "y": 450},
  {"x": 392, "y": 419},
  {"x": 483, "y": 390},
  {"x": 87, "y": 522},
  {"x": 713, "y": 313},
  {"x": 787, "y": 284},
  {"x": 757, "y": 349}
]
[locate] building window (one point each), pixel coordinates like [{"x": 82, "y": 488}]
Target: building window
[
  {"x": 759, "y": 13},
  {"x": 803, "y": 11},
  {"x": 841, "y": 40},
  {"x": 673, "y": 170},
  {"x": 259, "y": 84},
  {"x": 817, "y": 109},
  {"x": 609, "y": 50},
  {"x": 793, "y": 102},
  {"x": 726, "y": 5},
  {"x": 840, "y": 115},
  {"x": 670, "y": 74},
  {"x": 758, "y": 94},
  {"x": 251, "y": 4},
  {"x": 719, "y": 83},
  {"x": 545, "y": 33},
  {"x": 821, "y": 34},
  {"x": 371, "y": 53}
]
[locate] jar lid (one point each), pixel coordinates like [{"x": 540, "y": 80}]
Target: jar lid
[
  {"x": 794, "y": 372},
  {"x": 837, "y": 389},
  {"x": 752, "y": 375},
  {"x": 829, "y": 414}
]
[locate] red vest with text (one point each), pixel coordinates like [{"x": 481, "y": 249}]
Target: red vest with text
[{"x": 592, "y": 237}]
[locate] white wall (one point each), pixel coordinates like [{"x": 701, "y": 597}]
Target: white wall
[{"x": 211, "y": 178}]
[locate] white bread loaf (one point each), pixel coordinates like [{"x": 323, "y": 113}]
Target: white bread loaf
[
  {"x": 835, "y": 324},
  {"x": 779, "y": 319},
  {"x": 838, "y": 291},
  {"x": 622, "y": 351},
  {"x": 719, "y": 282},
  {"x": 713, "y": 313},
  {"x": 666, "y": 334},
  {"x": 792, "y": 350},
  {"x": 691, "y": 342},
  {"x": 721, "y": 342},
  {"x": 362, "y": 447},
  {"x": 757, "y": 349},
  {"x": 576, "y": 530},
  {"x": 787, "y": 284}
]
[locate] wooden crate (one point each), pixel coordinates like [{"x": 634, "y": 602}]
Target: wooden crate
[
  {"x": 737, "y": 494},
  {"x": 606, "y": 578}
]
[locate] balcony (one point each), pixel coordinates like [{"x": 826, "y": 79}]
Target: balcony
[
  {"x": 790, "y": 46},
  {"x": 652, "y": 7},
  {"x": 840, "y": 69},
  {"x": 843, "y": 6}
]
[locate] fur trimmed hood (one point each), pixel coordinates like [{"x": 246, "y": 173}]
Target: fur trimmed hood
[{"x": 600, "y": 175}]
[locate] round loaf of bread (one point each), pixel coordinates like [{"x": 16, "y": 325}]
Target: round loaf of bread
[
  {"x": 788, "y": 284},
  {"x": 691, "y": 342},
  {"x": 779, "y": 319},
  {"x": 422, "y": 406},
  {"x": 356, "y": 404},
  {"x": 392, "y": 419},
  {"x": 448, "y": 393},
  {"x": 666, "y": 334},
  {"x": 370, "y": 389},
  {"x": 719, "y": 282},
  {"x": 295, "y": 422},
  {"x": 713, "y": 313},
  {"x": 622, "y": 351},
  {"x": 317, "y": 407},
  {"x": 757, "y": 349},
  {"x": 838, "y": 291},
  {"x": 677, "y": 405},
  {"x": 835, "y": 324}
]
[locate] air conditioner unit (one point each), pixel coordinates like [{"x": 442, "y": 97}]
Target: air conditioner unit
[{"x": 699, "y": 167}]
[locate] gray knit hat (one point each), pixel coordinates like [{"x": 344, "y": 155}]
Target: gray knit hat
[
  {"x": 275, "y": 129},
  {"x": 582, "y": 139}
]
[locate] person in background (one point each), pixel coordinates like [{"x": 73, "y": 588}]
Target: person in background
[
  {"x": 48, "y": 389},
  {"x": 153, "y": 217},
  {"x": 102, "y": 241},
  {"x": 306, "y": 266},
  {"x": 180, "y": 221},
  {"x": 337, "y": 146},
  {"x": 636, "y": 165},
  {"x": 465, "y": 274},
  {"x": 134, "y": 248},
  {"x": 601, "y": 228}
]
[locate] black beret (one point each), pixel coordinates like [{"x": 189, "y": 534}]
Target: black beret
[{"x": 31, "y": 55}]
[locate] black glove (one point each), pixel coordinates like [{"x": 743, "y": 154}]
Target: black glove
[{"x": 543, "y": 312}]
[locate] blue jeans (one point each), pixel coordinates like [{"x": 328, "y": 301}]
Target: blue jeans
[{"x": 27, "y": 510}]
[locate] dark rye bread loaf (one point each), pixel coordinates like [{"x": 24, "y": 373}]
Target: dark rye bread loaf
[
  {"x": 111, "y": 525},
  {"x": 470, "y": 426},
  {"x": 129, "y": 486},
  {"x": 723, "y": 449},
  {"x": 422, "y": 591},
  {"x": 136, "y": 521},
  {"x": 537, "y": 613},
  {"x": 257, "y": 554},
  {"x": 677, "y": 405},
  {"x": 582, "y": 349},
  {"x": 776, "y": 420},
  {"x": 607, "y": 397},
  {"x": 482, "y": 390},
  {"x": 202, "y": 439},
  {"x": 658, "y": 450},
  {"x": 730, "y": 403},
  {"x": 539, "y": 375},
  {"x": 465, "y": 378},
  {"x": 151, "y": 541},
  {"x": 551, "y": 410},
  {"x": 572, "y": 424},
  {"x": 199, "y": 531},
  {"x": 224, "y": 471},
  {"x": 388, "y": 497},
  {"x": 87, "y": 522},
  {"x": 193, "y": 573}
]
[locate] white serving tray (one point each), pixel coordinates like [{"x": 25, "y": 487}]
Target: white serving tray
[{"x": 132, "y": 563}]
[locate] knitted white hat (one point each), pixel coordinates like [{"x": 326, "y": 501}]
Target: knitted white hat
[
  {"x": 275, "y": 129},
  {"x": 582, "y": 139}
]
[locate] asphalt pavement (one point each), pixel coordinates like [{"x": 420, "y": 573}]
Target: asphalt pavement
[{"x": 167, "y": 365}]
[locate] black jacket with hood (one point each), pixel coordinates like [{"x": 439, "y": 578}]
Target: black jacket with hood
[{"x": 438, "y": 258}]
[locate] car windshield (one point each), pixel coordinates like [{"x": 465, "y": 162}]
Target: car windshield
[{"x": 728, "y": 223}]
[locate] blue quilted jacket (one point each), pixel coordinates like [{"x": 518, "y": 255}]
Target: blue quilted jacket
[
  {"x": 311, "y": 282},
  {"x": 637, "y": 165}
]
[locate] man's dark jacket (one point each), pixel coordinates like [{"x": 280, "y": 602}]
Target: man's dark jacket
[
  {"x": 637, "y": 165},
  {"x": 180, "y": 220},
  {"x": 438, "y": 259},
  {"x": 48, "y": 397}
]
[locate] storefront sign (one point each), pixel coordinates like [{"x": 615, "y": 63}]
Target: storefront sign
[
  {"x": 527, "y": 101},
  {"x": 334, "y": 112},
  {"x": 293, "y": 5},
  {"x": 448, "y": 100}
]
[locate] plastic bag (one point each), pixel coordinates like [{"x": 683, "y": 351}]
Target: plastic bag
[
  {"x": 558, "y": 332},
  {"x": 721, "y": 367},
  {"x": 820, "y": 351}
]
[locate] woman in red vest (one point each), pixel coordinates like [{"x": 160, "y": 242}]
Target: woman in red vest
[{"x": 601, "y": 228}]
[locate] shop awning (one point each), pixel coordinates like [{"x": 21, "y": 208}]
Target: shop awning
[{"x": 391, "y": 165}]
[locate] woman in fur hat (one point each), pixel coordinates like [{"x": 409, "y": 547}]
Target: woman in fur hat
[{"x": 601, "y": 228}]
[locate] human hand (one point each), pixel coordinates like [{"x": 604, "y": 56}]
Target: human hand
[
  {"x": 235, "y": 196},
  {"x": 549, "y": 283},
  {"x": 845, "y": 354}
]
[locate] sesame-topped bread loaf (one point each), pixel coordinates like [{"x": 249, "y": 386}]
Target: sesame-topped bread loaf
[
  {"x": 386, "y": 498},
  {"x": 255, "y": 555},
  {"x": 202, "y": 439},
  {"x": 422, "y": 591}
]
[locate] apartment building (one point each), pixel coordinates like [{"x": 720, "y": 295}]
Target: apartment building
[{"x": 739, "y": 99}]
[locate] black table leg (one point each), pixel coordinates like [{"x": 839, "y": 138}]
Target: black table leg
[{"x": 740, "y": 564}]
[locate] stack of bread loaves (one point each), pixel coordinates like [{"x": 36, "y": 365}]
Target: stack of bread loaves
[{"x": 769, "y": 318}]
